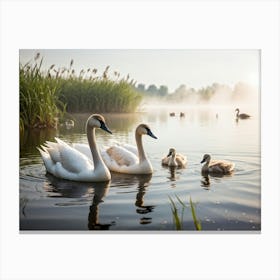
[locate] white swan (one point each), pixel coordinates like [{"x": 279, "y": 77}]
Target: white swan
[
  {"x": 124, "y": 158},
  {"x": 219, "y": 167},
  {"x": 241, "y": 116},
  {"x": 64, "y": 161},
  {"x": 174, "y": 159}
]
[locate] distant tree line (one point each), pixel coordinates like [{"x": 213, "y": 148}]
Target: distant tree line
[
  {"x": 216, "y": 92},
  {"x": 152, "y": 90}
]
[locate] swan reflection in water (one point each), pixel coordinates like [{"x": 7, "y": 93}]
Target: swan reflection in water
[
  {"x": 172, "y": 170},
  {"x": 100, "y": 191},
  {"x": 86, "y": 193},
  {"x": 174, "y": 173},
  {"x": 206, "y": 182},
  {"x": 142, "y": 182}
]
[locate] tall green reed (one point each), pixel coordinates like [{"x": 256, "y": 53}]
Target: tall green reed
[
  {"x": 39, "y": 103},
  {"x": 87, "y": 93},
  {"x": 178, "y": 219}
]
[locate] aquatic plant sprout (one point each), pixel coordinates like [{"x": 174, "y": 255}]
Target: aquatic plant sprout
[{"x": 178, "y": 220}]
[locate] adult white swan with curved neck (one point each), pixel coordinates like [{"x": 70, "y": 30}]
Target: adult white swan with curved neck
[
  {"x": 124, "y": 158},
  {"x": 64, "y": 161}
]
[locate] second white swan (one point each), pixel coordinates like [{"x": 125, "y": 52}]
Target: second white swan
[{"x": 124, "y": 158}]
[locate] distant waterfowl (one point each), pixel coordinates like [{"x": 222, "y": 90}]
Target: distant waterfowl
[
  {"x": 174, "y": 159},
  {"x": 182, "y": 114},
  {"x": 241, "y": 116},
  {"x": 172, "y": 114},
  {"x": 64, "y": 161},
  {"x": 124, "y": 158},
  {"x": 219, "y": 167},
  {"x": 69, "y": 124}
]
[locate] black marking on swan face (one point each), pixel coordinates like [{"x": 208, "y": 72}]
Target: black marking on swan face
[
  {"x": 149, "y": 132},
  {"x": 104, "y": 127}
]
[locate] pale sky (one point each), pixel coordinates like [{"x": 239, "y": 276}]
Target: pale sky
[{"x": 172, "y": 68}]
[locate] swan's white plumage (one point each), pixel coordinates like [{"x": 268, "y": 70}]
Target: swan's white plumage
[
  {"x": 83, "y": 148},
  {"x": 66, "y": 162},
  {"x": 120, "y": 160},
  {"x": 130, "y": 148},
  {"x": 122, "y": 156},
  {"x": 63, "y": 161}
]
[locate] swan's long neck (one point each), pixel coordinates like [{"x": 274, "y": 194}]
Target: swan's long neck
[
  {"x": 141, "y": 153},
  {"x": 97, "y": 160},
  {"x": 237, "y": 113}
]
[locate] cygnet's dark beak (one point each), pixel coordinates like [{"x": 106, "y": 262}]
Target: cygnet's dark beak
[
  {"x": 202, "y": 160},
  {"x": 169, "y": 154}
]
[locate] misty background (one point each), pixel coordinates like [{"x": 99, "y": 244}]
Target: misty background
[
  {"x": 214, "y": 94},
  {"x": 165, "y": 77}
]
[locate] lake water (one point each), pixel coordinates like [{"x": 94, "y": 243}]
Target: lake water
[{"x": 142, "y": 203}]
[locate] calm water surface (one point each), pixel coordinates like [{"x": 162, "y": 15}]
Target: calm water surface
[{"x": 130, "y": 202}]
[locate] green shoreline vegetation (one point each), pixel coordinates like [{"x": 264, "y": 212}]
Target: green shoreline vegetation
[{"x": 46, "y": 97}]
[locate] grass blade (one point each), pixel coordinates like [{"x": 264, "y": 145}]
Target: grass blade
[{"x": 195, "y": 220}]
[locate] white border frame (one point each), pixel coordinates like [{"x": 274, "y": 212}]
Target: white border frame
[{"x": 154, "y": 24}]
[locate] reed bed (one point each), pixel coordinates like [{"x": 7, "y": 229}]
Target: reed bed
[
  {"x": 45, "y": 97},
  {"x": 98, "y": 96}
]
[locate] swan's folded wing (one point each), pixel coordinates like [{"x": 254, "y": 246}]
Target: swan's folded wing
[
  {"x": 84, "y": 149},
  {"x": 228, "y": 166},
  {"x": 181, "y": 160},
  {"x": 121, "y": 156},
  {"x": 49, "y": 164},
  {"x": 71, "y": 159},
  {"x": 130, "y": 148},
  {"x": 52, "y": 150},
  {"x": 224, "y": 165}
]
